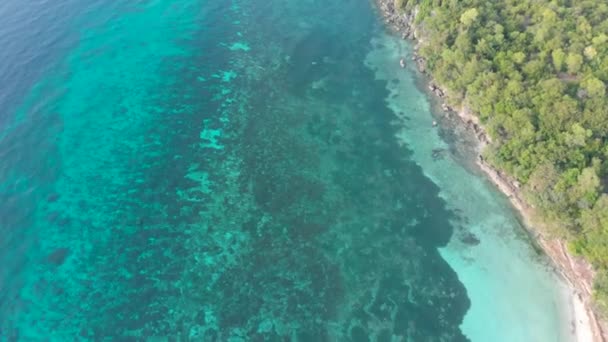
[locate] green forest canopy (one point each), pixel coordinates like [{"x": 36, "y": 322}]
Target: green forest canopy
[{"x": 535, "y": 72}]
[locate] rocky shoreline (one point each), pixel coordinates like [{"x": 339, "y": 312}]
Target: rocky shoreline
[{"x": 576, "y": 272}]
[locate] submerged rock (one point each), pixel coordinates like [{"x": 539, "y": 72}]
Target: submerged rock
[
  {"x": 439, "y": 153},
  {"x": 58, "y": 256},
  {"x": 470, "y": 239}
]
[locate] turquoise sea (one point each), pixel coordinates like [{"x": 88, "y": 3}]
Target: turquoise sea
[{"x": 227, "y": 170}]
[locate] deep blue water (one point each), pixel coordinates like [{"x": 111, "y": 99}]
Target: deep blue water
[{"x": 210, "y": 171}]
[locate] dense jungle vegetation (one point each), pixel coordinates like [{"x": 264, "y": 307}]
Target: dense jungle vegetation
[{"x": 535, "y": 73}]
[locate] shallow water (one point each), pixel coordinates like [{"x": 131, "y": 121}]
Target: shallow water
[
  {"x": 515, "y": 294},
  {"x": 230, "y": 171}
]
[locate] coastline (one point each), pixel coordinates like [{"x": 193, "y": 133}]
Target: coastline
[{"x": 576, "y": 272}]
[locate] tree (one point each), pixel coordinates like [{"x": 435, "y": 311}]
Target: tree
[
  {"x": 574, "y": 61},
  {"x": 558, "y": 57},
  {"x": 469, "y": 16},
  {"x": 600, "y": 214},
  {"x": 590, "y": 52},
  {"x": 577, "y": 136},
  {"x": 594, "y": 87},
  {"x": 519, "y": 57},
  {"x": 587, "y": 188},
  {"x": 539, "y": 188}
]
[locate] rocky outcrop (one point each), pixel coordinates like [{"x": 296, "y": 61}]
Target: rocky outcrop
[{"x": 399, "y": 22}]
